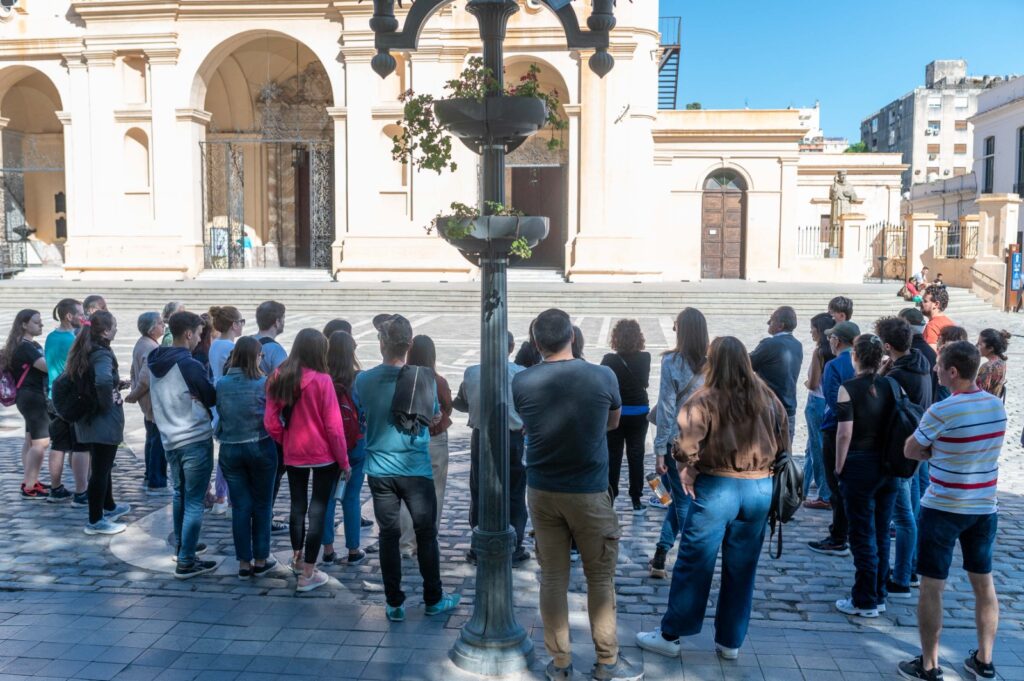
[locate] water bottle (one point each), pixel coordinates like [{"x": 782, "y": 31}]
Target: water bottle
[
  {"x": 654, "y": 480},
  {"x": 339, "y": 491}
]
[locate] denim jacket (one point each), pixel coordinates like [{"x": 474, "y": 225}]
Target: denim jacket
[
  {"x": 241, "y": 402},
  {"x": 676, "y": 376}
]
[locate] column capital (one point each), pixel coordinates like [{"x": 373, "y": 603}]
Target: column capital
[
  {"x": 100, "y": 58},
  {"x": 443, "y": 53},
  {"x": 197, "y": 116},
  {"x": 163, "y": 56},
  {"x": 572, "y": 110},
  {"x": 358, "y": 54},
  {"x": 74, "y": 60},
  {"x": 338, "y": 113},
  {"x": 63, "y": 116}
]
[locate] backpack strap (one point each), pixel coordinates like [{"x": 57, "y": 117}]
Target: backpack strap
[{"x": 28, "y": 367}]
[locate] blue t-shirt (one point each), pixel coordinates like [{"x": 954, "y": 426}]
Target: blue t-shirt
[
  {"x": 58, "y": 345},
  {"x": 274, "y": 354},
  {"x": 390, "y": 452},
  {"x": 219, "y": 351},
  {"x": 564, "y": 406}
]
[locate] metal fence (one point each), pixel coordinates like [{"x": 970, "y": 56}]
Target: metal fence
[
  {"x": 817, "y": 241},
  {"x": 956, "y": 240},
  {"x": 886, "y": 249}
]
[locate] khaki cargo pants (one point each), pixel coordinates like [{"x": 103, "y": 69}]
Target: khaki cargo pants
[{"x": 559, "y": 517}]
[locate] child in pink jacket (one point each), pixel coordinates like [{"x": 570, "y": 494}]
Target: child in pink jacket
[{"x": 303, "y": 415}]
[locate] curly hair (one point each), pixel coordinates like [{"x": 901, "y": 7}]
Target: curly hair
[
  {"x": 627, "y": 336},
  {"x": 939, "y": 296},
  {"x": 997, "y": 341}
]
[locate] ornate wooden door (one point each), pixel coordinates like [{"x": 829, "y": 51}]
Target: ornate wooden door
[{"x": 722, "y": 231}]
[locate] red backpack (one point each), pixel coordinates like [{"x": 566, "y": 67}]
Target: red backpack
[
  {"x": 9, "y": 386},
  {"x": 349, "y": 417}
]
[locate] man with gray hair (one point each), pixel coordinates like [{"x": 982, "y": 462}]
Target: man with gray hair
[
  {"x": 151, "y": 327},
  {"x": 777, "y": 360}
]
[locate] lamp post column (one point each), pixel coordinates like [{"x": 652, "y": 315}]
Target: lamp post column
[{"x": 493, "y": 642}]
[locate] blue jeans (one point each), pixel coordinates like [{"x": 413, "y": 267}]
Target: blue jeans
[
  {"x": 905, "y": 518},
  {"x": 814, "y": 464},
  {"x": 730, "y": 513},
  {"x": 350, "y": 508},
  {"x": 923, "y": 473},
  {"x": 869, "y": 497},
  {"x": 156, "y": 462},
  {"x": 249, "y": 469},
  {"x": 675, "y": 514},
  {"x": 190, "y": 466}
]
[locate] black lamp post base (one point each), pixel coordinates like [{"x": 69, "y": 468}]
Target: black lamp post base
[{"x": 492, "y": 657}]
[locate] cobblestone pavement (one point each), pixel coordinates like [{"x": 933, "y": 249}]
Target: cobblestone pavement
[{"x": 80, "y": 607}]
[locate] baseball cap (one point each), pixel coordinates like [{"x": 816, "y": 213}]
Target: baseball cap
[
  {"x": 844, "y": 331},
  {"x": 913, "y": 316},
  {"x": 395, "y": 330}
]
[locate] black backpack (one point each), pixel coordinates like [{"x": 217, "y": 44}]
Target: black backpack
[
  {"x": 787, "y": 493},
  {"x": 73, "y": 399},
  {"x": 902, "y": 424}
]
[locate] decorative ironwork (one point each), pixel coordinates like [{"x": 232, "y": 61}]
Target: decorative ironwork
[
  {"x": 886, "y": 249},
  {"x": 321, "y": 203},
  {"x": 21, "y": 153},
  {"x": 223, "y": 205},
  {"x": 813, "y": 241},
  {"x": 956, "y": 240}
]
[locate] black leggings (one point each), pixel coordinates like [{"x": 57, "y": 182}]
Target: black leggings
[
  {"x": 632, "y": 432},
  {"x": 101, "y": 488},
  {"x": 324, "y": 479},
  {"x": 277, "y": 476}
]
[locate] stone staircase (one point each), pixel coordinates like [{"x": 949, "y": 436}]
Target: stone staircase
[{"x": 733, "y": 298}]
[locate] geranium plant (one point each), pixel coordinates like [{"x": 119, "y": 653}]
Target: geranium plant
[
  {"x": 458, "y": 223},
  {"x": 425, "y": 143}
]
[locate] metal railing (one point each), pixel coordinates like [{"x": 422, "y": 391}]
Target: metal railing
[
  {"x": 885, "y": 249},
  {"x": 956, "y": 240},
  {"x": 816, "y": 241},
  {"x": 670, "y": 29}
]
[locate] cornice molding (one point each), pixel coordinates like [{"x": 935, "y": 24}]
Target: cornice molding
[
  {"x": 4, "y": 122},
  {"x": 63, "y": 116},
  {"x": 118, "y": 11},
  {"x": 38, "y": 47},
  {"x": 133, "y": 115},
  {"x": 197, "y": 116},
  {"x": 338, "y": 113},
  {"x": 726, "y": 135},
  {"x": 99, "y": 58},
  {"x": 390, "y": 112}
]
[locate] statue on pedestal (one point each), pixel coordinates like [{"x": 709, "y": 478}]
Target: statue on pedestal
[{"x": 842, "y": 196}]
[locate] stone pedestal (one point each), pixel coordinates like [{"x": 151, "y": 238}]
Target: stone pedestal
[
  {"x": 998, "y": 214},
  {"x": 920, "y": 240}
]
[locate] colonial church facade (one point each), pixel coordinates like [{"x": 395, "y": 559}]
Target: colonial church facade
[{"x": 162, "y": 138}]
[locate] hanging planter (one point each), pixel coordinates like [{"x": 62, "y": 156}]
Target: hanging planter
[
  {"x": 495, "y": 120},
  {"x": 505, "y": 232}
]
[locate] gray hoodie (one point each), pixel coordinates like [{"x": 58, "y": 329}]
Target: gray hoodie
[{"x": 182, "y": 396}]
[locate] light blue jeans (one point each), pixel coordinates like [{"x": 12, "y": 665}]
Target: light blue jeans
[
  {"x": 904, "y": 517},
  {"x": 675, "y": 514},
  {"x": 731, "y": 514},
  {"x": 190, "y": 468},
  {"x": 350, "y": 508},
  {"x": 814, "y": 464}
]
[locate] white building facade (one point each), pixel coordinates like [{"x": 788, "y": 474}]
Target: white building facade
[{"x": 161, "y": 138}]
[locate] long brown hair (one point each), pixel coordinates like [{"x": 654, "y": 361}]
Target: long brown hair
[
  {"x": 309, "y": 351},
  {"x": 87, "y": 340},
  {"x": 342, "y": 364},
  {"x": 691, "y": 338},
  {"x": 246, "y": 356},
  {"x": 15, "y": 336},
  {"x": 730, "y": 372}
]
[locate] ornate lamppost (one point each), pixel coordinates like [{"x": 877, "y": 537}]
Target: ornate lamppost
[{"x": 493, "y": 642}]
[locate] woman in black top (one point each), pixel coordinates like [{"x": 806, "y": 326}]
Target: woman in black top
[
  {"x": 863, "y": 408},
  {"x": 24, "y": 358},
  {"x": 632, "y": 366}
]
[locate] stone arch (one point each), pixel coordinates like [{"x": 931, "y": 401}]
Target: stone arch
[{"x": 709, "y": 170}]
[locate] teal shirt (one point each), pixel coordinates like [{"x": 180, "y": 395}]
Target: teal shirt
[
  {"x": 390, "y": 453},
  {"x": 58, "y": 345}
]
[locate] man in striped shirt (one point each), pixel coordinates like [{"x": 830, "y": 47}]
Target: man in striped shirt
[{"x": 961, "y": 437}]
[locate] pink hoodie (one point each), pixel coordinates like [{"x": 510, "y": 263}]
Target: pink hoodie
[{"x": 315, "y": 435}]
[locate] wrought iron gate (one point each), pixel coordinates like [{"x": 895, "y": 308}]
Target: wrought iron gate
[
  {"x": 225, "y": 240},
  {"x": 21, "y": 154}
]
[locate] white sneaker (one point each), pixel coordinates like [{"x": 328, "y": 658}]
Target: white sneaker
[
  {"x": 655, "y": 502},
  {"x": 880, "y": 607},
  {"x": 219, "y": 508},
  {"x": 105, "y": 526},
  {"x": 846, "y": 606},
  {"x": 727, "y": 653},
  {"x": 317, "y": 580},
  {"x": 656, "y": 643}
]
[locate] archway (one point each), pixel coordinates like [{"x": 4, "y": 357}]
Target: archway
[
  {"x": 268, "y": 158},
  {"x": 33, "y": 222},
  {"x": 723, "y": 226},
  {"x": 536, "y": 174}
]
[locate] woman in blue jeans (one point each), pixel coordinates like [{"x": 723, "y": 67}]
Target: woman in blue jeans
[
  {"x": 682, "y": 374},
  {"x": 814, "y": 463},
  {"x": 343, "y": 368},
  {"x": 729, "y": 434},
  {"x": 862, "y": 410},
  {"x": 248, "y": 456}
]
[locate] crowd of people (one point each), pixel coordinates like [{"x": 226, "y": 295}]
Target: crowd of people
[{"x": 722, "y": 417}]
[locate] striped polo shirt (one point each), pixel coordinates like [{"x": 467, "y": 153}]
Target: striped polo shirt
[{"x": 965, "y": 432}]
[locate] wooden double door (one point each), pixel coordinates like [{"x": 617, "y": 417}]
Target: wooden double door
[{"x": 722, "y": 232}]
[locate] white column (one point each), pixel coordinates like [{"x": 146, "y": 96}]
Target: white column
[
  {"x": 78, "y": 175},
  {"x": 339, "y": 114},
  {"x": 103, "y": 94},
  {"x": 167, "y": 158},
  {"x": 190, "y": 131}
]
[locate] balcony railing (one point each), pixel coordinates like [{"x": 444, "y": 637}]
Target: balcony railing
[{"x": 670, "y": 29}]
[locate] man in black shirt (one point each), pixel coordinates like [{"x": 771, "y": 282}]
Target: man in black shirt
[
  {"x": 777, "y": 360},
  {"x": 917, "y": 322}
]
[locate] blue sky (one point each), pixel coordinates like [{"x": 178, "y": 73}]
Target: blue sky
[{"x": 854, "y": 57}]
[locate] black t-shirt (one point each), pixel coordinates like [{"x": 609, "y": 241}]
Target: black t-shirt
[
  {"x": 564, "y": 406},
  {"x": 869, "y": 413},
  {"x": 634, "y": 372},
  {"x": 28, "y": 353}
]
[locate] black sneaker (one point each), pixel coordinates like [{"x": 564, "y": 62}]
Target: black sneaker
[
  {"x": 278, "y": 527},
  {"x": 59, "y": 495},
  {"x": 365, "y": 522},
  {"x": 520, "y": 556},
  {"x": 638, "y": 508},
  {"x": 981, "y": 670},
  {"x": 260, "y": 570},
  {"x": 471, "y": 557},
  {"x": 198, "y": 567},
  {"x": 897, "y": 591},
  {"x": 830, "y": 547},
  {"x": 355, "y": 558},
  {"x": 80, "y": 499},
  {"x": 657, "y": 564},
  {"x": 914, "y": 669},
  {"x": 200, "y": 550},
  {"x": 915, "y": 581}
]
